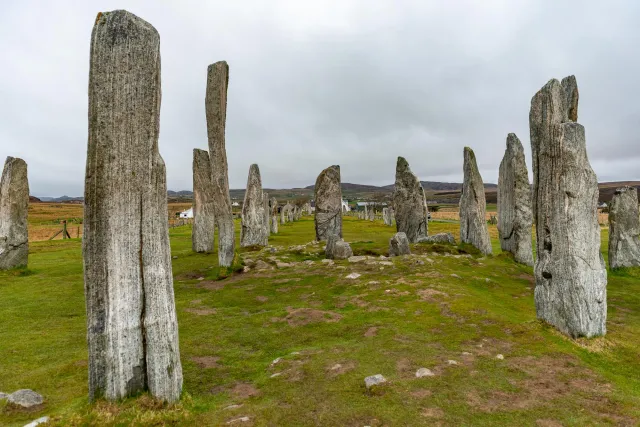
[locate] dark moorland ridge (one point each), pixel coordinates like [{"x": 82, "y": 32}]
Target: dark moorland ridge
[{"x": 440, "y": 192}]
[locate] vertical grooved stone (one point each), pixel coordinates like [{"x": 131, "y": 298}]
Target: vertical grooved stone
[
  {"x": 571, "y": 279},
  {"x": 266, "y": 223},
  {"x": 216, "y": 111},
  {"x": 132, "y": 328},
  {"x": 624, "y": 229},
  {"x": 473, "y": 222},
  {"x": 204, "y": 224},
  {"x": 409, "y": 203},
  {"x": 14, "y": 206},
  {"x": 253, "y": 216},
  {"x": 328, "y": 196},
  {"x": 515, "y": 219},
  {"x": 274, "y": 215}
]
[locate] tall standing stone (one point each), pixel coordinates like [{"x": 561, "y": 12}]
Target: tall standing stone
[
  {"x": 253, "y": 217},
  {"x": 515, "y": 219},
  {"x": 14, "y": 204},
  {"x": 409, "y": 203},
  {"x": 624, "y": 229},
  {"x": 274, "y": 215},
  {"x": 267, "y": 216},
  {"x": 131, "y": 318},
  {"x": 203, "y": 218},
  {"x": 570, "y": 274},
  {"x": 216, "y": 111},
  {"x": 283, "y": 214},
  {"x": 328, "y": 196},
  {"x": 473, "y": 224}
]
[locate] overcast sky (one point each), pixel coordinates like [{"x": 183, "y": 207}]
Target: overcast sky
[{"x": 316, "y": 83}]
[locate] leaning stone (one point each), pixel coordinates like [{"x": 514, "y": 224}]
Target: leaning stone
[
  {"x": 328, "y": 197},
  {"x": 203, "y": 219},
  {"x": 216, "y": 113},
  {"x": 399, "y": 245},
  {"x": 473, "y": 225},
  {"x": 253, "y": 217},
  {"x": 515, "y": 219},
  {"x": 25, "y": 398},
  {"x": 424, "y": 372},
  {"x": 131, "y": 318},
  {"x": 34, "y": 423},
  {"x": 624, "y": 229},
  {"x": 409, "y": 203},
  {"x": 570, "y": 274},
  {"x": 374, "y": 380},
  {"x": 438, "y": 238},
  {"x": 14, "y": 204}
]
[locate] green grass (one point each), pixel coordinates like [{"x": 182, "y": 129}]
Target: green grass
[{"x": 392, "y": 320}]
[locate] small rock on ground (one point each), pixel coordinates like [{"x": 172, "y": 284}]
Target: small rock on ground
[
  {"x": 500, "y": 357},
  {"x": 25, "y": 398},
  {"x": 424, "y": 372},
  {"x": 39, "y": 421},
  {"x": 3, "y": 395},
  {"x": 374, "y": 380},
  {"x": 452, "y": 362},
  {"x": 352, "y": 276},
  {"x": 357, "y": 258},
  {"x": 239, "y": 420}
]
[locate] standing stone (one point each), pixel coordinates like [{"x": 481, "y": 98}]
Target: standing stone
[
  {"x": 409, "y": 203},
  {"x": 366, "y": 212},
  {"x": 372, "y": 214},
  {"x": 14, "y": 204},
  {"x": 328, "y": 196},
  {"x": 399, "y": 245},
  {"x": 216, "y": 112},
  {"x": 273, "y": 205},
  {"x": 473, "y": 224},
  {"x": 253, "y": 217},
  {"x": 203, "y": 218},
  {"x": 267, "y": 216},
  {"x": 624, "y": 229},
  {"x": 514, "y": 203},
  {"x": 386, "y": 216},
  {"x": 131, "y": 318},
  {"x": 570, "y": 274}
]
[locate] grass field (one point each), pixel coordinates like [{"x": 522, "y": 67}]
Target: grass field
[{"x": 291, "y": 346}]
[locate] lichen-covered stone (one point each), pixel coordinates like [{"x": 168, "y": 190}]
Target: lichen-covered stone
[
  {"x": 438, "y": 238},
  {"x": 216, "y": 112},
  {"x": 253, "y": 217},
  {"x": 337, "y": 248},
  {"x": 409, "y": 203},
  {"x": 399, "y": 245},
  {"x": 570, "y": 274},
  {"x": 515, "y": 219},
  {"x": 624, "y": 229},
  {"x": 273, "y": 215},
  {"x": 267, "y": 216},
  {"x": 131, "y": 318},
  {"x": 328, "y": 197},
  {"x": 14, "y": 204},
  {"x": 204, "y": 224},
  {"x": 473, "y": 225}
]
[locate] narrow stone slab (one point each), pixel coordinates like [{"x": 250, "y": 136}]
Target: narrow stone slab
[
  {"x": 570, "y": 274},
  {"x": 438, "y": 238},
  {"x": 328, "y": 197},
  {"x": 267, "y": 216},
  {"x": 131, "y": 319},
  {"x": 202, "y": 234},
  {"x": 409, "y": 203},
  {"x": 216, "y": 112},
  {"x": 473, "y": 224},
  {"x": 14, "y": 205},
  {"x": 253, "y": 217},
  {"x": 515, "y": 219},
  {"x": 273, "y": 206},
  {"x": 624, "y": 229}
]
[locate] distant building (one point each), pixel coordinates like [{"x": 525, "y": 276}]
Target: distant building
[
  {"x": 187, "y": 214},
  {"x": 235, "y": 204},
  {"x": 345, "y": 206}
]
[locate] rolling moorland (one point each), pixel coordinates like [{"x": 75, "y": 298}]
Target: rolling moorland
[{"x": 291, "y": 343}]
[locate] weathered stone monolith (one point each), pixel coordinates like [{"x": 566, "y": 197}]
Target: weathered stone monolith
[
  {"x": 131, "y": 318},
  {"x": 253, "y": 217},
  {"x": 473, "y": 224},
  {"x": 203, "y": 218},
  {"x": 515, "y": 219},
  {"x": 409, "y": 203},
  {"x": 14, "y": 204},
  {"x": 337, "y": 248},
  {"x": 328, "y": 196},
  {"x": 386, "y": 216},
  {"x": 283, "y": 215},
  {"x": 399, "y": 245},
  {"x": 267, "y": 216},
  {"x": 570, "y": 274},
  {"x": 624, "y": 229},
  {"x": 216, "y": 112},
  {"x": 273, "y": 212}
]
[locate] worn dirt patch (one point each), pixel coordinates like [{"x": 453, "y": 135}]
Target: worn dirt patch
[
  {"x": 190, "y": 275},
  {"x": 371, "y": 332},
  {"x": 212, "y": 285},
  {"x": 421, "y": 393},
  {"x": 287, "y": 280},
  {"x": 341, "y": 368},
  {"x": 262, "y": 299},
  {"x": 245, "y": 391},
  {"x": 206, "y": 362},
  {"x": 548, "y": 423},
  {"x": 201, "y": 311},
  {"x": 528, "y": 277},
  {"x": 404, "y": 367},
  {"x": 432, "y": 412},
  {"x": 304, "y": 316},
  {"x": 431, "y": 294}
]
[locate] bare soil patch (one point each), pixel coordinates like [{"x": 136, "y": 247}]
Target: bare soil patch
[
  {"x": 206, "y": 362},
  {"x": 201, "y": 311},
  {"x": 245, "y": 391},
  {"x": 304, "y": 316},
  {"x": 371, "y": 332}
]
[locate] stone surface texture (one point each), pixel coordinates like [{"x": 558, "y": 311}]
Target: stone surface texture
[
  {"x": 473, "y": 225},
  {"x": 25, "y": 398},
  {"x": 216, "y": 113},
  {"x": 409, "y": 203},
  {"x": 267, "y": 215},
  {"x": 14, "y": 204},
  {"x": 204, "y": 224},
  {"x": 273, "y": 206},
  {"x": 570, "y": 274},
  {"x": 131, "y": 318},
  {"x": 253, "y": 217},
  {"x": 399, "y": 245},
  {"x": 438, "y": 238},
  {"x": 624, "y": 229},
  {"x": 328, "y": 197},
  {"x": 515, "y": 218},
  {"x": 337, "y": 248}
]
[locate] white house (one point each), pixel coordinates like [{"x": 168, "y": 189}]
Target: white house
[
  {"x": 345, "y": 206},
  {"x": 187, "y": 214},
  {"x": 235, "y": 204}
]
